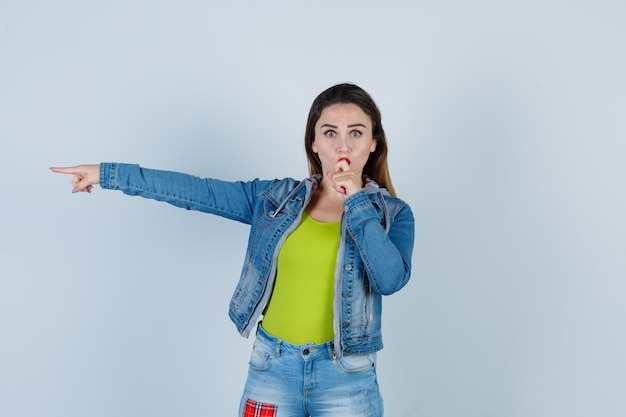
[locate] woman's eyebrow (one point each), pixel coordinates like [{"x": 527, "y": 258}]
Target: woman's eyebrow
[{"x": 349, "y": 126}]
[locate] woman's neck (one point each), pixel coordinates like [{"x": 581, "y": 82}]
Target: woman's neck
[{"x": 326, "y": 204}]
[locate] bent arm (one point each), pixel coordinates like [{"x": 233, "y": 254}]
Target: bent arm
[{"x": 387, "y": 256}]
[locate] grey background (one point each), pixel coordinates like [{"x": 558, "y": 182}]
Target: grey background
[{"x": 506, "y": 129}]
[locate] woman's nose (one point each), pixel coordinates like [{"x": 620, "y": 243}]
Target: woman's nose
[{"x": 342, "y": 143}]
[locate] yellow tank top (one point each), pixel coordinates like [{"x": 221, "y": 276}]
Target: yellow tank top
[{"x": 300, "y": 309}]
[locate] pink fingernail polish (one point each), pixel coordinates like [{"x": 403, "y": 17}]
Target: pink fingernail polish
[{"x": 75, "y": 190}]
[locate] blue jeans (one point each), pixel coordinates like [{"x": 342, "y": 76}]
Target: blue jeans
[{"x": 286, "y": 380}]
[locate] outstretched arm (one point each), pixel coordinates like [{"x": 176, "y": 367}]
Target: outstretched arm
[
  {"x": 235, "y": 200},
  {"x": 85, "y": 176}
]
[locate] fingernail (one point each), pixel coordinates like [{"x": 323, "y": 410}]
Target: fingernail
[{"x": 75, "y": 190}]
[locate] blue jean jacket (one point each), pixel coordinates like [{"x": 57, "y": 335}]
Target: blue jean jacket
[{"x": 374, "y": 259}]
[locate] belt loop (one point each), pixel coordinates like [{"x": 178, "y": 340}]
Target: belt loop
[
  {"x": 331, "y": 349},
  {"x": 277, "y": 347}
]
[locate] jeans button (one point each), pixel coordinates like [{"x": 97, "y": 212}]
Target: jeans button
[{"x": 305, "y": 351}]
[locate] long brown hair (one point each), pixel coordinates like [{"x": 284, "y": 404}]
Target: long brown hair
[{"x": 376, "y": 166}]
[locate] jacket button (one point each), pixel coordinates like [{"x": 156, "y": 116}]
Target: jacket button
[
  {"x": 345, "y": 294},
  {"x": 345, "y": 325},
  {"x": 348, "y": 267}
]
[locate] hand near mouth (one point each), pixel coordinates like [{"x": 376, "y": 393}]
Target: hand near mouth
[{"x": 344, "y": 180}]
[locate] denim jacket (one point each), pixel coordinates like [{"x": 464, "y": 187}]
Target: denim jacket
[{"x": 374, "y": 258}]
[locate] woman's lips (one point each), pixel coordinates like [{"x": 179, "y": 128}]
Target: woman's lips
[{"x": 344, "y": 159}]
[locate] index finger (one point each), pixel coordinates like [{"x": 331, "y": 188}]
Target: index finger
[
  {"x": 342, "y": 164},
  {"x": 65, "y": 170}
]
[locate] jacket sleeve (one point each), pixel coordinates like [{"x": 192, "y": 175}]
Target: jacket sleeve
[
  {"x": 387, "y": 256},
  {"x": 233, "y": 200}
]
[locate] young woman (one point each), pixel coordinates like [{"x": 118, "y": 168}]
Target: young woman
[{"x": 321, "y": 253}]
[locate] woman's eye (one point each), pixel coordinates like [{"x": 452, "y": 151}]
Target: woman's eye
[
  {"x": 355, "y": 134},
  {"x": 330, "y": 134}
]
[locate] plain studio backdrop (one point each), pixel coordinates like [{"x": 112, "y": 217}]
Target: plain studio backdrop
[{"x": 506, "y": 127}]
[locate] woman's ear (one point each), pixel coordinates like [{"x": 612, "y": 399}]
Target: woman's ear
[
  {"x": 373, "y": 147},
  {"x": 314, "y": 148}
]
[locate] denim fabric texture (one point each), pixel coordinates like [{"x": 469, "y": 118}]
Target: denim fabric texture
[
  {"x": 374, "y": 258},
  {"x": 306, "y": 380}
]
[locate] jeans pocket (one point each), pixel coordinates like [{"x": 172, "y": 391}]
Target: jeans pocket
[
  {"x": 262, "y": 357},
  {"x": 358, "y": 362}
]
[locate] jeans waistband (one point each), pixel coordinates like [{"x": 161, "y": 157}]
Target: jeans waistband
[{"x": 307, "y": 350}]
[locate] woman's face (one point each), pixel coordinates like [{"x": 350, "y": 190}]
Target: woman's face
[{"x": 343, "y": 131}]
